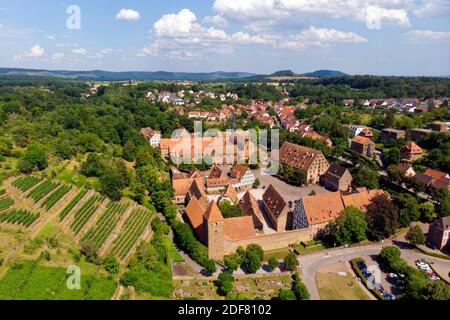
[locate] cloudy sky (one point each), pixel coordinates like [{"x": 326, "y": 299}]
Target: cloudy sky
[{"x": 389, "y": 37}]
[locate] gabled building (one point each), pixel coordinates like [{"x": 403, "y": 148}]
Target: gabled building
[
  {"x": 364, "y": 146},
  {"x": 250, "y": 207},
  {"x": 311, "y": 161},
  {"x": 387, "y": 134},
  {"x": 153, "y": 137},
  {"x": 229, "y": 195},
  {"x": 419, "y": 134},
  {"x": 439, "y": 233},
  {"x": 411, "y": 152},
  {"x": 243, "y": 177},
  {"x": 316, "y": 212},
  {"x": 337, "y": 178},
  {"x": 276, "y": 208},
  {"x": 217, "y": 180},
  {"x": 406, "y": 170}
]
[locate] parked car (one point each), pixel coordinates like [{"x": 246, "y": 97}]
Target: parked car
[{"x": 388, "y": 296}]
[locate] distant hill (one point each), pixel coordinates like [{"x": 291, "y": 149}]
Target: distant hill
[
  {"x": 284, "y": 73},
  {"x": 325, "y": 74},
  {"x": 100, "y": 75}
]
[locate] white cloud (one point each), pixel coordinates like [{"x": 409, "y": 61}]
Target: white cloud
[
  {"x": 35, "y": 51},
  {"x": 184, "y": 25},
  {"x": 180, "y": 35},
  {"x": 49, "y": 37},
  {"x": 216, "y": 20},
  {"x": 433, "y": 8},
  {"x": 79, "y": 51},
  {"x": 319, "y": 37},
  {"x": 245, "y": 38},
  {"x": 128, "y": 14},
  {"x": 57, "y": 56},
  {"x": 427, "y": 35},
  {"x": 12, "y": 32},
  {"x": 391, "y": 11}
]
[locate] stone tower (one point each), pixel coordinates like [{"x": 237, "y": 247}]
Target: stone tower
[{"x": 215, "y": 233}]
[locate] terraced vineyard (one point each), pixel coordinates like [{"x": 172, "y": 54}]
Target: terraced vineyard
[
  {"x": 133, "y": 228},
  {"x": 5, "y": 203},
  {"x": 105, "y": 224},
  {"x": 21, "y": 217},
  {"x": 51, "y": 200},
  {"x": 69, "y": 207},
  {"x": 42, "y": 190},
  {"x": 83, "y": 215},
  {"x": 25, "y": 183}
]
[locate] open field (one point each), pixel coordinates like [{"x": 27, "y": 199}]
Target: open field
[{"x": 29, "y": 280}]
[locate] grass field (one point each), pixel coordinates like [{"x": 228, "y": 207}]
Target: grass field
[
  {"x": 31, "y": 281},
  {"x": 336, "y": 287}
]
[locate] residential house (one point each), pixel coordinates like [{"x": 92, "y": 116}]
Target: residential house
[
  {"x": 337, "y": 178},
  {"x": 363, "y": 146},
  {"x": 419, "y": 134},
  {"x": 438, "y": 126},
  {"x": 153, "y": 137},
  {"x": 243, "y": 177},
  {"x": 355, "y": 130},
  {"x": 411, "y": 152},
  {"x": 217, "y": 180},
  {"x": 388, "y": 134},
  {"x": 406, "y": 170},
  {"x": 311, "y": 161},
  {"x": 276, "y": 208},
  {"x": 439, "y": 233}
]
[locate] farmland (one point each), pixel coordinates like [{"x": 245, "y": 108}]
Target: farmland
[
  {"x": 133, "y": 228},
  {"x": 105, "y": 225},
  {"x": 82, "y": 215}
]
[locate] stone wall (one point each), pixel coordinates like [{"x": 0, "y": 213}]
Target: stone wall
[{"x": 274, "y": 241}]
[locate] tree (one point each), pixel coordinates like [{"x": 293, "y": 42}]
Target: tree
[
  {"x": 366, "y": 177},
  {"x": 111, "y": 186},
  {"x": 299, "y": 288},
  {"x": 436, "y": 290},
  {"x": 391, "y": 156},
  {"x": 291, "y": 262},
  {"x": 94, "y": 166},
  {"x": 253, "y": 258},
  {"x": 381, "y": 217},
  {"x": 88, "y": 250},
  {"x": 210, "y": 266},
  {"x": 286, "y": 294},
  {"x": 225, "y": 283},
  {"x": 229, "y": 210},
  {"x": 409, "y": 209},
  {"x": 390, "y": 254},
  {"x": 350, "y": 227},
  {"x": 427, "y": 211},
  {"x": 273, "y": 263},
  {"x": 231, "y": 262},
  {"x": 415, "y": 236},
  {"x": 111, "y": 265},
  {"x": 34, "y": 158}
]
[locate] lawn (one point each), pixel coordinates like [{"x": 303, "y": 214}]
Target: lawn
[
  {"x": 176, "y": 257},
  {"x": 336, "y": 287},
  {"x": 31, "y": 281}
]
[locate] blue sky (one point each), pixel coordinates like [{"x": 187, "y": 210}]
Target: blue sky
[{"x": 389, "y": 37}]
